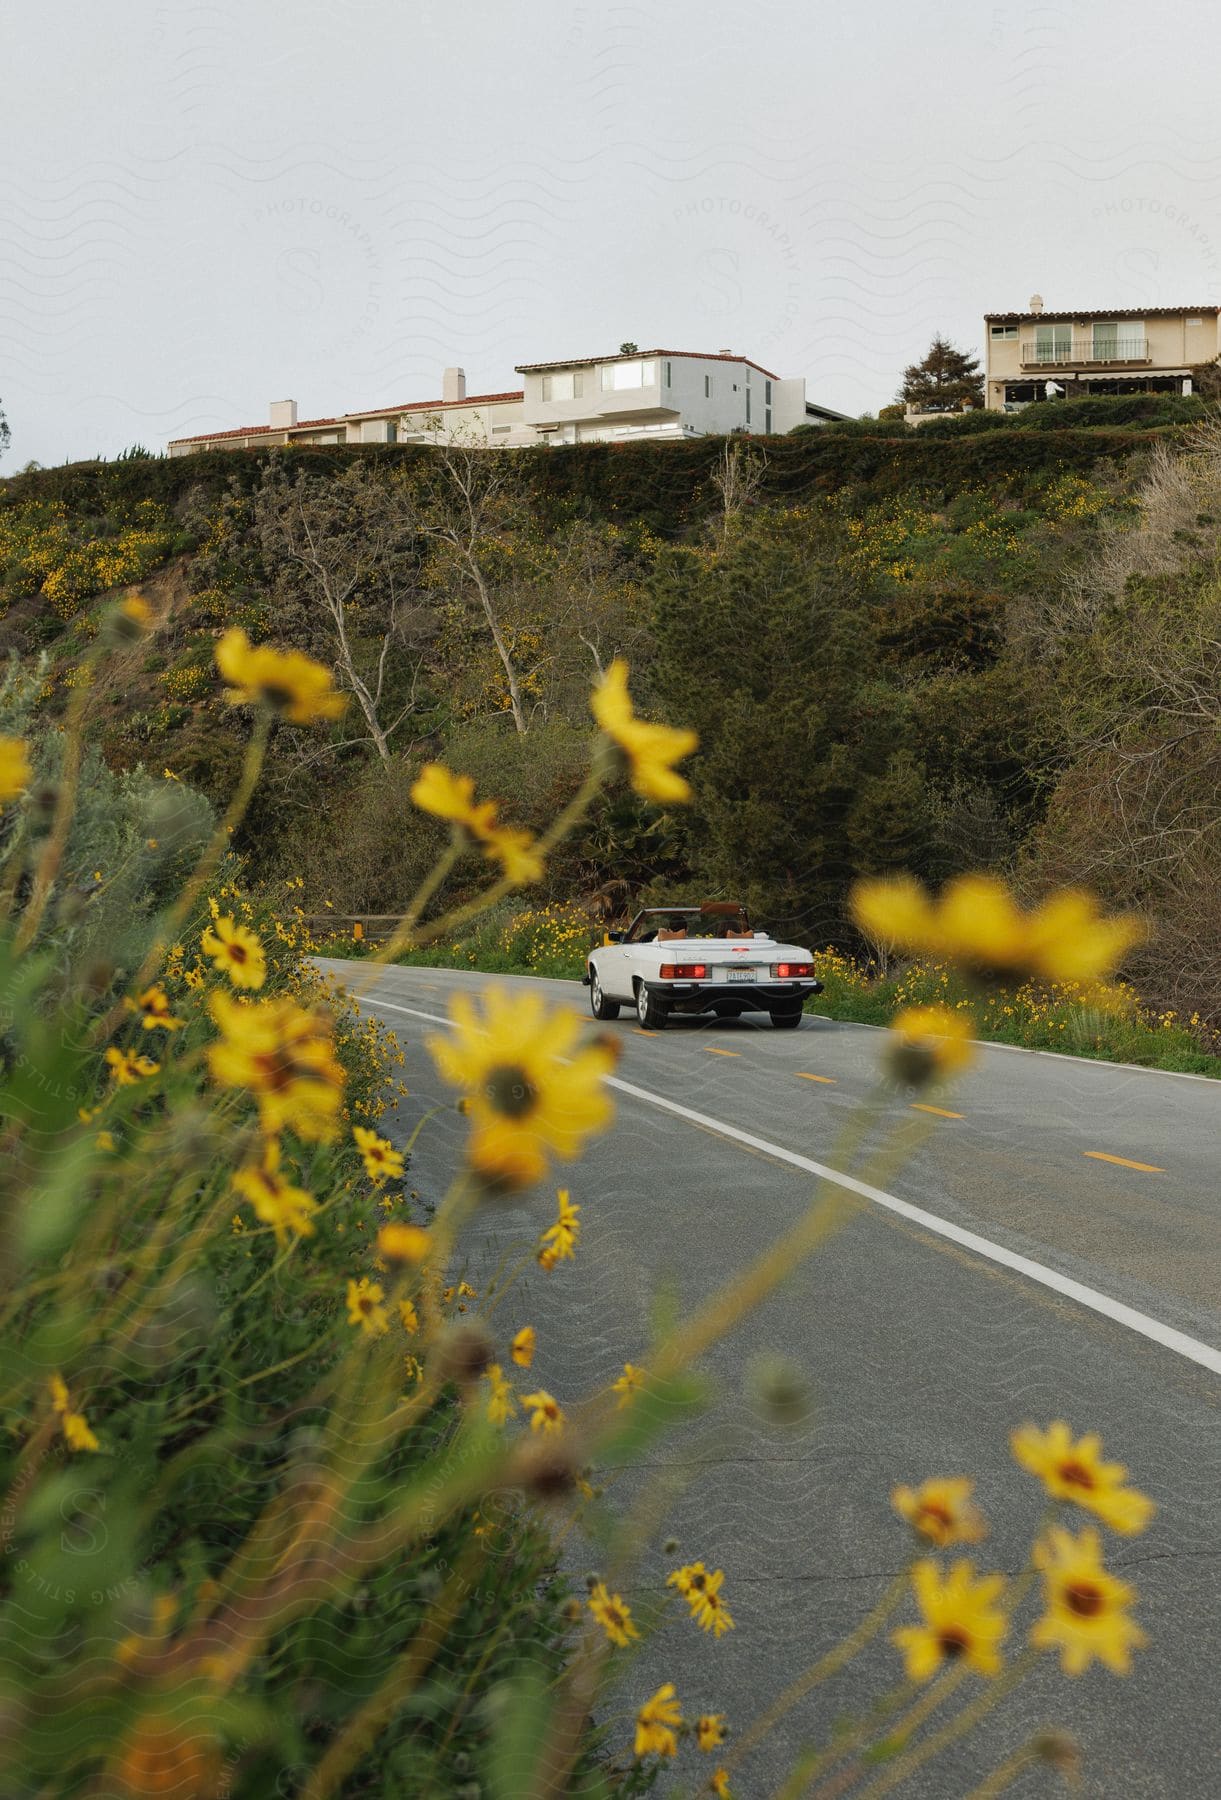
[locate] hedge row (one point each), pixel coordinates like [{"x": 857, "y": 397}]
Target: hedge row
[{"x": 662, "y": 485}]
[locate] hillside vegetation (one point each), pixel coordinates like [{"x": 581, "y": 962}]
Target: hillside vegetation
[{"x": 985, "y": 645}]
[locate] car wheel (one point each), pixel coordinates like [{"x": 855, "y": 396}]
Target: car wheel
[
  {"x": 599, "y": 1005},
  {"x": 649, "y": 1011},
  {"x": 786, "y": 1021}
]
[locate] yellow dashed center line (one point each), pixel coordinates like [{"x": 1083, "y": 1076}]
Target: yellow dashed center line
[
  {"x": 712, "y": 1050},
  {"x": 941, "y": 1113},
  {"x": 641, "y": 1032},
  {"x": 803, "y": 1075},
  {"x": 1124, "y": 1163}
]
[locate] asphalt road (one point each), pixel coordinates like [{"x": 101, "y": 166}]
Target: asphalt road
[{"x": 1063, "y": 1260}]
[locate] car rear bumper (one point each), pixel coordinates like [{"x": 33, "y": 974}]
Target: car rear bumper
[{"x": 749, "y": 996}]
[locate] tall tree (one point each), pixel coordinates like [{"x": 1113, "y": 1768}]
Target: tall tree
[
  {"x": 342, "y": 555},
  {"x": 804, "y": 775},
  {"x": 947, "y": 380}
]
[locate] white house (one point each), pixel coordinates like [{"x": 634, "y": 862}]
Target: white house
[{"x": 649, "y": 394}]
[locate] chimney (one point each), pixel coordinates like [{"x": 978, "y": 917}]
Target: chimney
[
  {"x": 283, "y": 414},
  {"x": 453, "y": 384},
  {"x": 1036, "y": 303},
  {"x": 726, "y": 352}
]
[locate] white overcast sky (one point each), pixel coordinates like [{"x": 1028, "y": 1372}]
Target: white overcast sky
[{"x": 207, "y": 206}]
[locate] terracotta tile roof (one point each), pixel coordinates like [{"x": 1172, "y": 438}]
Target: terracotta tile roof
[
  {"x": 374, "y": 412},
  {"x": 1059, "y": 314},
  {"x": 583, "y": 362}
]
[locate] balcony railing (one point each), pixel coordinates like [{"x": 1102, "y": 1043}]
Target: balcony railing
[{"x": 1085, "y": 352}]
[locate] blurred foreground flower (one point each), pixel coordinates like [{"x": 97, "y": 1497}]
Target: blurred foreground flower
[
  {"x": 1076, "y": 1471},
  {"x": 534, "y": 1090},
  {"x": 153, "y": 1005},
  {"x": 15, "y": 771},
  {"x": 285, "y": 1058},
  {"x": 74, "y": 1425},
  {"x": 276, "y": 1202},
  {"x": 942, "y": 1511},
  {"x": 236, "y": 951},
  {"x": 657, "y": 1723},
  {"x": 927, "y": 1044},
  {"x": 650, "y": 750},
  {"x": 437, "y": 790},
  {"x": 546, "y": 1413},
  {"x": 292, "y": 684},
  {"x": 128, "y": 1067},
  {"x": 1086, "y": 1617},
  {"x": 365, "y": 1308},
  {"x": 961, "y": 1620},
  {"x": 399, "y": 1243},
  {"x": 710, "y": 1731},
  {"x": 976, "y": 923}
]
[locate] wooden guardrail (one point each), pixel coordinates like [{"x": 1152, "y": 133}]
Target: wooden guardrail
[{"x": 372, "y": 928}]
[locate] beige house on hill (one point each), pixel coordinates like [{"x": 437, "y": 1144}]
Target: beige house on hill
[
  {"x": 1141, "y": 350},
  {"x": 636, "y": 394}
]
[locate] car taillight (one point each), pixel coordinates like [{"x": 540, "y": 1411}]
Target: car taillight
[
  {"x": 683, "y": 971},
  {"x": 789, "y": 971}
]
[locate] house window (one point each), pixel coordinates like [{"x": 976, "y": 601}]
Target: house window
[
  {"x": 628, "y": 375},
  {"x": 392, "y": 434},
  {"x": 1053, "y": 343},
  {"x": 767, "y": 393},
  {"x": 565, "y": 386},
  {"x": 1003, "y": 331},
  {"x": 748, "y": 406},
  {"x": 708, "y": 387},
  {"x": 498, "y": 429},
  {"x": 767, "y": 420},
  {"x": 667, "y": 374}
]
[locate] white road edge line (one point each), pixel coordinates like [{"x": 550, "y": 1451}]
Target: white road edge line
[{"x": 1153, "y": 1329}]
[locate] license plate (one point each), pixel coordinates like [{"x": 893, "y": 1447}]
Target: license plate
[{"x": 740, "y": 974}]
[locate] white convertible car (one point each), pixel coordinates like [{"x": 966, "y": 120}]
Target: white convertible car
[{"x": 698, "y": 959}]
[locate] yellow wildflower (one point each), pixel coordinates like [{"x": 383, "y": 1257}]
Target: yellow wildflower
[
  {"x": 286, "y": 1059},
  {"x": 365, "y": 1307},
  {"x": 961, "y": 1620},
  {"x": 74, "y": 1425},
  {"x": 522, "y": 1347},
  {"x": 657, "y": 1723},
  {"x": 533, "y": 1088},
  {"x": 559, "y": 1241},
  {"x": 650, "y": 750},
  {"x": 153, "y": 1005},
  {"x": 439, "y": 791},
  {"x": 710, "y": 1731},
  {"x": 235, "y": 949},
  {"x": 276, "y": 1202},
  {"x": 295, "y": 685},
  {"x": 707, "y": 1608},
  {"x": 382, "y": 1160},
  {"x": 1086, "y": 1617},
  {"x": 628, "y": 1384},
  {"x": 501, "y": 1402},
  {"x": 977, "y": 923},
  {"x": 400, "y": 1243},
  {"x": 546, "y": 1414},
  {"x": 942, "y": 1510},
  {"x": 613, "y": 1615},
  {"x": 127, "y": 1068},
  {"x": 409, "y": 1318},
  {"x": 15, "y": 771},
  {"x": 1076, "y": 1471},
  {"x": 720, "y": 1784},
  {"x": 928, "y": 1043}
]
